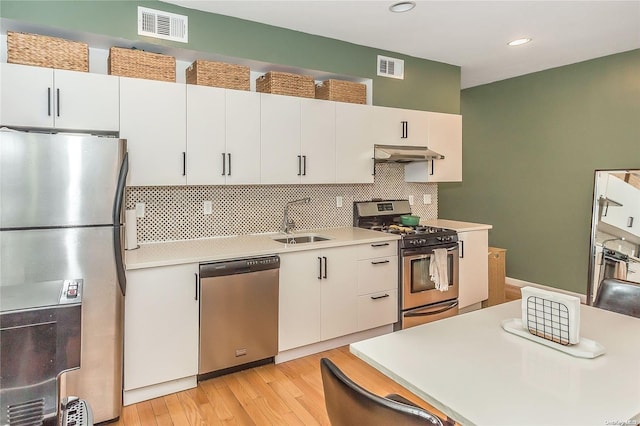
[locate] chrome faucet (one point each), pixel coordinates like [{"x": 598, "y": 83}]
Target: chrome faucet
[
  {"x": 611, "y": 239},
  {"x": 289, "y": 224}
]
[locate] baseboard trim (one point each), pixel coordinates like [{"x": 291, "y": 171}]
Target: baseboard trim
[{"x": 520, "y": 283}]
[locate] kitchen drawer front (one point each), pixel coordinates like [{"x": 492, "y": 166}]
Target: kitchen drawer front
[
  {"x": 377, "y": 274},
  {"x": 381, "y": 249},
  {"x": 377, "y": 309}
]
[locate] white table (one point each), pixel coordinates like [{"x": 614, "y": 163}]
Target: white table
[{"x": 469, "y": 368}]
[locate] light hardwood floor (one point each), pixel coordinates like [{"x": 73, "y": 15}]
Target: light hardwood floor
[{"x": 289, "y": 393}]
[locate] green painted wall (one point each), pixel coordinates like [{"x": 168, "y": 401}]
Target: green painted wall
[
  {"x": 428, "y": 85},
  {"x": 531, "y": 145}
]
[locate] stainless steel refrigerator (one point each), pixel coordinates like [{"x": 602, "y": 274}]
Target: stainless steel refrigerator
[{"x": 61, "y": 211}]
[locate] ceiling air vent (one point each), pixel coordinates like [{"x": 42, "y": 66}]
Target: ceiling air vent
[
  {"x": 165, "y": 25},
  {"x": 390, "y": 67}
]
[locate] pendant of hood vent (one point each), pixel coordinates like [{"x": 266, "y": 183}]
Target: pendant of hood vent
[{"x": 404, "y": 154}]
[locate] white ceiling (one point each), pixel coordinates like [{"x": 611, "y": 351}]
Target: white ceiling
[{"x": 471, "y": 34}]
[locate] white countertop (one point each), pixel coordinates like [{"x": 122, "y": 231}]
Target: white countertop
[
  {"x": 472, "y": 370},
  {"x": 455, "y": 225},
  {"x": 212, "y": 249}
]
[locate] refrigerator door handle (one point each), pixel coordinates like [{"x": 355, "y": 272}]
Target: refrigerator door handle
[{"x": 117, "y": 236}]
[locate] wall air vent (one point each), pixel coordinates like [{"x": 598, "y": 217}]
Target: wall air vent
[
  {"x": 164, "y": 25},
  {"x": 390, "y": 67}
]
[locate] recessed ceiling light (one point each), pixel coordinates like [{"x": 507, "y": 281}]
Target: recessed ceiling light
[
  {"x": 519, "y": 41},
  {"x": 403, "y": 6}
]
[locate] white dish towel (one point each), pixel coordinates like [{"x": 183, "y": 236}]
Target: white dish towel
[{"x": 438, "y": 269}]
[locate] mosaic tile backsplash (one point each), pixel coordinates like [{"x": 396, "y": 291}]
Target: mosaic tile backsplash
[{"x": 177, "y": 213}]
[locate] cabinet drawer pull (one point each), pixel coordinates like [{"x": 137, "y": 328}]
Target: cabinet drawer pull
[
  {"x": 184, "y": 163},
  {"x": 380, "y": 262},
  {"x": 630, "y": 222},
  {"x": 461, "y": 255},
  {"x": 196, "y": 286},
  {"x": 320, "y": 268},
  {"x": 380, "y": 245},
  {"x": 229, "y": 157},
  {"x": 49, "y": 101},
  {"x": 299, "y": 165},
  {"x": 224, "y": 164},
  {"x": 432, "y": 168},
  {"x": 379, "y": 297},
  {"x": 304, "y": 165},
  {"x": 58, "y": 102},
  {"x": 325, "y": 267}
]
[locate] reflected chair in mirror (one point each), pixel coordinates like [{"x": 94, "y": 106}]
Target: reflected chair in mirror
[
  {"x": 350, "y": 404},
  {"x": 619, "y": 296}
]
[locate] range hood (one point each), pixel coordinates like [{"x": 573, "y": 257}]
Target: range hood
[{"x": 404, "y": 154}]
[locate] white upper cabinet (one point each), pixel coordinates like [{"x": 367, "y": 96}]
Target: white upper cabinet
[
  {"x": 243, "y": 137},
  {"x": 445, "y": 138},
  {"x": 153, "y": 120},
  {"x": 395, "y": 126},
  {"x": 206, "y": 140},
  {"x": 625, "y": 216},
  {"x": 318, "y": 141},
  {"x": 223, "y": 136},
  {"x": 354, "y": 143},
  {"x": 58, "y": 99},
  {"x": 281, "y": 162}
]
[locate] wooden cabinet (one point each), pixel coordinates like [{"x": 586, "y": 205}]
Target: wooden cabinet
[
  {"x": 396, "y": 126},
  {"x": 337, "y": 291},
  {"x": 297, "y": 140},
  {"x": 474, "y": 268},
  {"x": 161, "y": 328},
  {"x": 497, "y": 275},
  {"x": 445, "y": 138},
  {"x": 58, "y": 99},
  {"x": 223, "y": 136},
  {"x": 153, "y": 120},
  {"x": 354, "y": 147}
]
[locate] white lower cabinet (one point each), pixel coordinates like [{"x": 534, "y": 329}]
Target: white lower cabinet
[
  {"x": 160, "y": 332},
  {"x": 333, "y": 292},
  {"x": 474, "y": 267}
]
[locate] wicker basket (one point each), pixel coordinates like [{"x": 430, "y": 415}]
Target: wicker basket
[
  {"x": 45, "y": 51},
  {"x": 342, "y": 91},
  {"x": 218, "y": 74},
  {"x": 141, "y": 64},
  {"x": 282, "y": 83}
]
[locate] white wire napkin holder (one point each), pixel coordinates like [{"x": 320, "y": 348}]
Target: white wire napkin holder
[{"x": 553, "y": 320}]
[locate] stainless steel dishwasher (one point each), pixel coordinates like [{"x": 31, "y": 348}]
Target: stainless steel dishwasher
[{"x": 238, "y": 314}]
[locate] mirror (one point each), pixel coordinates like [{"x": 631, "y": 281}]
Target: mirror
[{"x": 615, "y": 228}]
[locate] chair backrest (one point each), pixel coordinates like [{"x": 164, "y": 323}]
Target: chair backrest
[
  {"x": 349, "y": 404},
  {"x": 619, "y": 296}
]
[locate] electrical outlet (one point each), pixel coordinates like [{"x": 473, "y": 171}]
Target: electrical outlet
[
  {"x": 339, "y": 201},
  {"x": 139, "y": 209},
  {"x": 410, "y": 200},
  {"x": 207, "y": 207},
  {"x": 426, "y": 198}
]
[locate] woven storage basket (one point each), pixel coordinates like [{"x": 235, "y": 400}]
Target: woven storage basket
[
  {"x": 282, "y": 83},
  {"x": 342, "y": 91},
  {"x": 218, "y": 74},
  {"x": 140, "y": 64},
  {"x": 45, "y": 51}
]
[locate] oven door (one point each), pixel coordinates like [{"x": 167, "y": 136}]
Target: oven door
[
  {"x": 417, "y": 287},
  {"x": 429, "y": 313}
]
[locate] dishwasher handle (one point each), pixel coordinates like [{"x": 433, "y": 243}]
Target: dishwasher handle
[{"x": 239, "y": 266}]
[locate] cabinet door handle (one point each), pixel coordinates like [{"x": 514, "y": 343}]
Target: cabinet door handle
[
  {"x": 229, "y": 157},
  {"x": 196, "y": 286},
  {"x": 432, "y": 166},
  {"x": 299, "y": 165},
  {"x": 58, "y": 102},
  {"x": 379, "y": 297},
  {"x": 49, "y": 101},
  {"x": 630, "y": 222},
  {"x": 380, "y": 262},
  {"x": 224, "y": 164},
  {"x": 374, "y": 167},
  {"x": 405, "y": 130},
  {"x": 319, "y": 268},
  {"x": 304, "y": 165},
  {"x": 325, "y": 267},
  {"x": 461, "y": 243},
  {"x": 379, "y": 245},
  {"x": 184, "y": 163}
]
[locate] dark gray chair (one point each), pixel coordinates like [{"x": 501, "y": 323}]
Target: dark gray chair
[
  {"x": 350, "y": 404},
  {"x": 619, "y": 296}
]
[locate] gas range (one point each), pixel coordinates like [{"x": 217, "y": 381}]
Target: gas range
[{"x": 384, "y": 216}]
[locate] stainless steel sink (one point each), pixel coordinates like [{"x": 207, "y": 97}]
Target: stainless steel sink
[{"x": 301, "y": 239}]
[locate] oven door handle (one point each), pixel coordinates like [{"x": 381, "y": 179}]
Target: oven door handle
[{"x": 426, "y": 311}]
